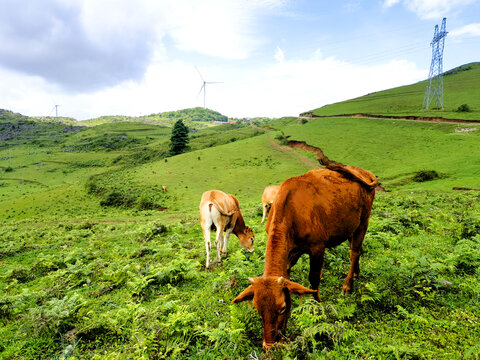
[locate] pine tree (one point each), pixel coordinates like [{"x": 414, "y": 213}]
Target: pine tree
[{"x": 179, "y": 139}]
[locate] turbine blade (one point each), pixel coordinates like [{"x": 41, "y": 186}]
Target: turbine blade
[
  {"x": 201, "y": 89},
  {"x": 200, "y": 74}
]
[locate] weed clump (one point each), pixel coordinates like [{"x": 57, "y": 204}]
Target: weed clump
[{"x": 425, "y": 175}]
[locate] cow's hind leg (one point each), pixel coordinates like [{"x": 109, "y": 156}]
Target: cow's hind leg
[
  {"x": 206, "y": 235},
  {"x": 265, "y": 211},
  {"x": 316, "y": 264},
  {"x": 355, "y": 251},
  {"x": 219, "y": 242}
]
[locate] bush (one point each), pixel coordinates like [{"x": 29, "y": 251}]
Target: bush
[
  {"x": 116, "y": 198},
  {"x": 425, "y": 175},
  {"x": 464, "y": 108},
  {"x": 8, "y": 169}
]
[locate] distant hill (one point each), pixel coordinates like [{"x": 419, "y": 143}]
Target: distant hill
[
  {"x": 191, "y": 117},
  {"x": 461, "y": 85}
]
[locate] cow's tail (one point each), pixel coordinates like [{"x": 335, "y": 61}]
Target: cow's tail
[
  {"x": 364, "y": 177},
  {"x": 220, "y": 208}
]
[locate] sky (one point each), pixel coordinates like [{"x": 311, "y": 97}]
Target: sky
[{"x": 264, "y": 58}]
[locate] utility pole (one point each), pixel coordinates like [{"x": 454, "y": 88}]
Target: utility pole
[{"x": 434, "y": 90}]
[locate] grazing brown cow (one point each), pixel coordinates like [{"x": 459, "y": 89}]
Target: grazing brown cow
[
  {"x": 267, "y": 199},
  {"x": 311, "y": 212},
  {"x": 221, "y": 212},
  {"x": 164, "y": 188}
]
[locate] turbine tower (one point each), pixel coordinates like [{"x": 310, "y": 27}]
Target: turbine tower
[
  {"x": 204, "y": 86},
  {"x": 434, "y": 90}
]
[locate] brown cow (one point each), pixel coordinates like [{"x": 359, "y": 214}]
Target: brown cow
[
  {"x": 267, "y": 199},
  {"x": 221, "y": 212},
  {"x": 164, "y": 188},
  {"x": 311, "y": 212}
]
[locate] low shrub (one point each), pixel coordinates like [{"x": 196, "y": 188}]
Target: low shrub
[
  {"x": 425, "y": 175},
  {"x": 464, "y": 108}
]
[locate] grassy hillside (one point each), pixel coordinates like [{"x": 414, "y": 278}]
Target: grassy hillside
[
  {"x": 461, "y": 86},
  {"x": 194, "y": 118},
  {"x": 97, "y": 262}
]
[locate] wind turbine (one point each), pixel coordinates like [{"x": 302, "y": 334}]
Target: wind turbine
[
  {"x": 56, "y": 110},
  {"x": 204, "y": 85}
]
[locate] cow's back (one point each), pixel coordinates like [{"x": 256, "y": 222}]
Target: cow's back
[{"x": 320, "y": 206}]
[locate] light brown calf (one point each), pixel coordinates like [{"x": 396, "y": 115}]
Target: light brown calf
[{"x": 221, "y": 212}]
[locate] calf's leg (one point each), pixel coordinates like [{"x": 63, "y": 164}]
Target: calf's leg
[
  {"x": 206, "y": 235},
  {"x": 219, "y": 241},
  {"x": 264, "y": 206},
  {"x": 225, "y": 240}
]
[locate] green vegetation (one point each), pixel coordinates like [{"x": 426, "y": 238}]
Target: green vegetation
[
  {"x": 98, "y": 262},
  {"x": 197, "y": 118},
  {"x": 461, "y": 86},
  {"x": 179, "y": 139}
]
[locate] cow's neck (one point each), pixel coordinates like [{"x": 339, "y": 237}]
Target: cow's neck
[
  {"x": 277, "y": 255},
  {"x": 239, "y": 225}
]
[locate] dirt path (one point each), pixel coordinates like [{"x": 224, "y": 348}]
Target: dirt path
[
  {"x": 412, "y": 118},
  {"x": 288, "y": 150}
]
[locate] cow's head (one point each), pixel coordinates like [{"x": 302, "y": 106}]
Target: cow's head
[
  {"x": 246, "y": 238},
  {"x": 271, "y": 298}
]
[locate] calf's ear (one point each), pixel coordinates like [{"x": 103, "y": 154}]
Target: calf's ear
[
  {"x": 246, "y": 294},
  {"x": 297, "y": 289}
]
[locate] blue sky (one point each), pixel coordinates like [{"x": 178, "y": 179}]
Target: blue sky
[{"x": 272, "y": 57}]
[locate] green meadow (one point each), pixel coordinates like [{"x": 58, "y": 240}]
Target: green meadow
[
  {"x": 98, "y": 262},
  {"x": 460, "y": 87}
]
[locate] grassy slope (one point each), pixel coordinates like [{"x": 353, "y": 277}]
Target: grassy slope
[
  {"x": 460, "y": 88},
  {"x": 127, "y": 290}
]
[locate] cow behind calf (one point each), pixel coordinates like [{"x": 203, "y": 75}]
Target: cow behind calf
[
  {"x": 311, "y": 212},
  {"x": 221, "y": 212},
  {"x": 267, "y": 199}
]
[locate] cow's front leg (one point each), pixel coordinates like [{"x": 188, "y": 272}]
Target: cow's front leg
[
  {"x": 316, "y": 263},
  {"x": 225, "y": 241},
  {"x": 355, "y": 251}
]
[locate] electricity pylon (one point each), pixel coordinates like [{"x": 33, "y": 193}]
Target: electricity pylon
[{"x": 434, "y": 90}]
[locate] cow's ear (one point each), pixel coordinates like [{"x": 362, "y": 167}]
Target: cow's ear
[
  {"x": 297, "y": 289},
  {"x": 246, "y": 294}
]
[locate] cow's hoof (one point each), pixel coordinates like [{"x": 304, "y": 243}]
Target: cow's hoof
[{"x": 346, "y": 292}]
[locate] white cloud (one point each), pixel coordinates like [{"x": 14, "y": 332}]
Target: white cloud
[
  {"x": 85, "y": 45},
  {"x": 467, "y": 30},
  {"x": 388, "y": 3},
  {"x": 279, "y": 55},
  {"x": 430, "y": 9},
  {"x": 278, "y": 89}
]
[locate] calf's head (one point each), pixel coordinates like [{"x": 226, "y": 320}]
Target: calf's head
[
  {"x": 271, "y": 298},
  {"x": 246, "y": 238}
]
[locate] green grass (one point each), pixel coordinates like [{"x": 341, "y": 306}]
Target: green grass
[
  {"x": 460, "y": 87},
  {"x": 79, "y": 280}
]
